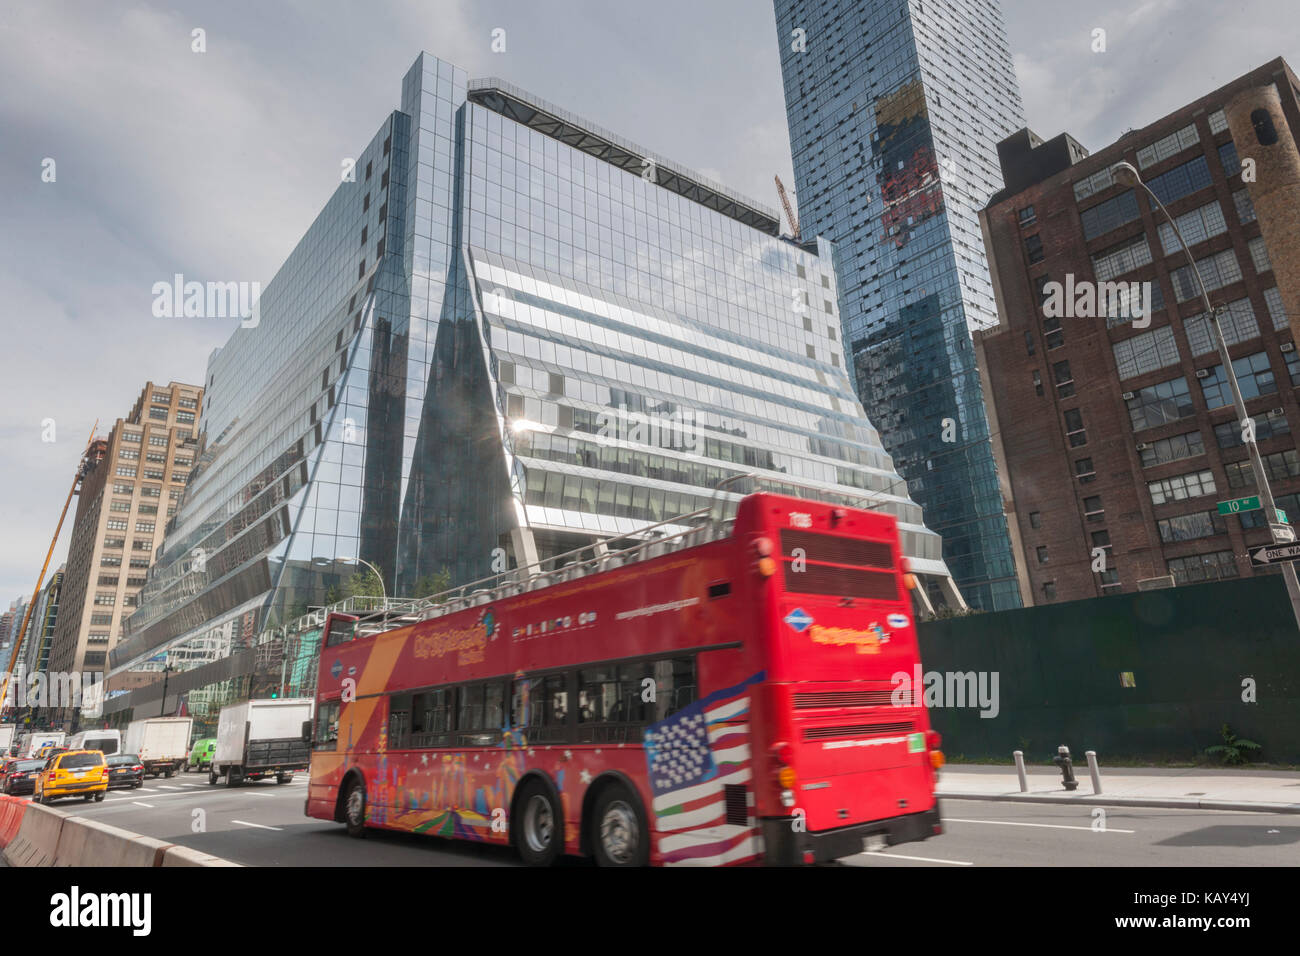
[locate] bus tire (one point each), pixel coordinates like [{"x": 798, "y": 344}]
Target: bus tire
[
  {"x": 354, "y": 808},
  {"x": 619, "y": 834},
  {"x": 538, "y": 825}
]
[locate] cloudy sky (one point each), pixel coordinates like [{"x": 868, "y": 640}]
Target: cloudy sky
[{"x": 213, "y": 164}]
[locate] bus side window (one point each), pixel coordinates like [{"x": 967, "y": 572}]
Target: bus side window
[{"x": 327, "y": 726}]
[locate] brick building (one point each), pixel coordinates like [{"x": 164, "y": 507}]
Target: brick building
[
  {"x": 1115, "y": 431},
  {"x": 125, "y": 501}
]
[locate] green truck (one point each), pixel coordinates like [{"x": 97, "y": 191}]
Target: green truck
[{"x": 201, "y": 754}]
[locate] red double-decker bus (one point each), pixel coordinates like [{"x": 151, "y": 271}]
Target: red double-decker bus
[{"x": 721, "y": 695}]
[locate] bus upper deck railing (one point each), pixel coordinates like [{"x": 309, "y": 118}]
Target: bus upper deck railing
[{"x": 649, "y": 541}]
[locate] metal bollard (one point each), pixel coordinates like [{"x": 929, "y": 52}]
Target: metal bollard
[
  {"x": 1093, "y": 770},
  {"x": 1020, "y": 770},
  {"x": 1062, "y": 760}
]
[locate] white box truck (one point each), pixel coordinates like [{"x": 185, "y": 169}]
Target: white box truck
[
  {"x": 106, "y": 741},
  {"x": 262, "y": 738},
  {"x": 34, "y": 741},
  {"x": 7, "y": 738},
  {"x": 161, "y": 743}
]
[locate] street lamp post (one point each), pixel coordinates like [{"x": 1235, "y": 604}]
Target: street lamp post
[{"x": 1126, "y": 174}]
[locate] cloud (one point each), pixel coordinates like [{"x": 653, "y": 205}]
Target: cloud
[{"x": 214, "y": 164}]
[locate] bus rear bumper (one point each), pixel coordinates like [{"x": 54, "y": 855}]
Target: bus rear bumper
[{"x": 783, "y": 846}]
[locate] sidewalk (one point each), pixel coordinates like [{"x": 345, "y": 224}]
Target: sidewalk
[{"x": 1272, "y": 791}]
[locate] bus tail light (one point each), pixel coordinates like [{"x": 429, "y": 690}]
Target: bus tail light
[
  {"x": 786, "y": 778},
  {"x": 932, "y": 742},
  {"x": 764, "y": 564}
]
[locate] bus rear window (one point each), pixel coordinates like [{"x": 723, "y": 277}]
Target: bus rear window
[
  {"x": 838, "y": 566},
  {"x": 836, "y": 549}
]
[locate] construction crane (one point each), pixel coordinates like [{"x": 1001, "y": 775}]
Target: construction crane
[
  {"x": 789, "y": 209},
  {"x": 87, "y": 462}
]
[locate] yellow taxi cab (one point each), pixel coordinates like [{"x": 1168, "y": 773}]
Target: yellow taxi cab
[{"x": 74, "y": 773}]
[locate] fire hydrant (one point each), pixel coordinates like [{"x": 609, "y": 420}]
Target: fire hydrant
[{"x": 1062, "y": 760}]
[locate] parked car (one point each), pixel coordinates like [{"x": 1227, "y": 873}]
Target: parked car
[
  {"x": 125, "y": 771},
  {"x": 201, "y": 754},
  {"x": 75, "y": 773},
  {"x": 19, "y": 776}
]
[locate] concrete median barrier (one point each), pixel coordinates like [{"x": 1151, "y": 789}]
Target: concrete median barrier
[
  {"x": 37, "y": 842},
  {"x": 44, "y": 836},
  {"x": 85, "y": 842},
  {"x": 11, "y": 818},
  {"x": 184, "y": 856}
]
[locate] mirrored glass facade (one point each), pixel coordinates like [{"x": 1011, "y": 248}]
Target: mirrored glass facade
[
  {"x": 513, "y": 334},
  {"x": 895, "y": 110}
]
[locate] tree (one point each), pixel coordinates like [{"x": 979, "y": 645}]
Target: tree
[
  {"x": 430, "y": 584},
  {"x": 365, "y": 583}
]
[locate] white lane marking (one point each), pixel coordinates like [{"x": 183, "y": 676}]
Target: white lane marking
[
  {"x": 923, "y": 859},
  {"x": 163, "y": 786},
  {"x": 139, "y": 804},
  {"x": 260, "y": 826},
  {"x": 1049, "y": 826}
]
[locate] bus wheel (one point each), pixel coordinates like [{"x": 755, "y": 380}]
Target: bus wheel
[
  {"x": 538, "y": 828},
  {"x": 621, "y": 837},
  {"x": 354, "y": 809}
]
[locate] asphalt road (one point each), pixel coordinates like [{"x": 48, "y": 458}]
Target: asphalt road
[{"x": 262, "y": 824}]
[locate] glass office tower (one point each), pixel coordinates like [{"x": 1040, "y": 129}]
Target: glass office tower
[
  {"x": 514, "y": 334},
  {"x": 895, "y": 111}
]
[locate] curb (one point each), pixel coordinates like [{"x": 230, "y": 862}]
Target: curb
[{"x": 1101, "y": 800}]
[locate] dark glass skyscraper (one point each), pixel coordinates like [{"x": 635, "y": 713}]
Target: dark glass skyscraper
[{"x": 895, "y": 112}]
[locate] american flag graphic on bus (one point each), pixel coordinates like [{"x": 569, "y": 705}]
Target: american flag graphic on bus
[{"x": 692, "y": 755}]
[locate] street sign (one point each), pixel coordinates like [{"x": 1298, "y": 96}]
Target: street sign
[
  {"x": 1237, "y": 505},
  {"x": 1282, "y": 533},
  {"x": 1277, "y": 554},
  {"x": 1281, "y": 516}
]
